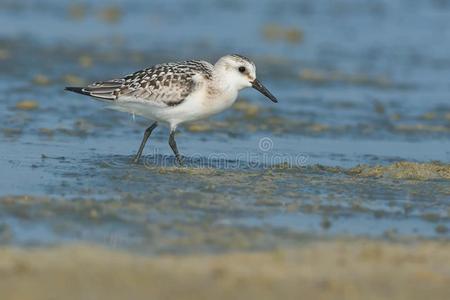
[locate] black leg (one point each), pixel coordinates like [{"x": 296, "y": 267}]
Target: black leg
[
  {"x": 173, "y": 145},
  {"x": 147, "y": 133}
]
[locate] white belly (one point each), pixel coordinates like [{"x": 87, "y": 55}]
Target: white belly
[{"x": 197, "y": 106}]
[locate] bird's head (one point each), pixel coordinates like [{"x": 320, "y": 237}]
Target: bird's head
[{"x": 240, "y": 72}]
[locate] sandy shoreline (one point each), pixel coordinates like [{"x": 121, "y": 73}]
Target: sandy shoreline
[{"x": 323, "y": 270}]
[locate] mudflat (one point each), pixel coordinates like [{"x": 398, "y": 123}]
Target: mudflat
[{"x": 338, "y": 269}]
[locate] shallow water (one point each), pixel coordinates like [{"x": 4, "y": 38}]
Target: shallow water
[{"x": 359, "y": 83}]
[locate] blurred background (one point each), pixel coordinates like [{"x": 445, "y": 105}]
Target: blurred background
[{"x": 356, "y": 148}]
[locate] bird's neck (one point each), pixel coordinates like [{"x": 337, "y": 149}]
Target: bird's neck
[
  {"x": 221, "y": 92},
  {"x": 220, "y": 81}
]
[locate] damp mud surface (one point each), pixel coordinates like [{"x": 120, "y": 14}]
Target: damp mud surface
[
  {"x": 357, "y": 149},
  {"x": 355, "y": 269},
  {"x": 221, "y": 209}
]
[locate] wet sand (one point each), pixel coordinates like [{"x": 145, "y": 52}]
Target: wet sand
[
  {"x": 217, "y": 209},
  {"x": 340, "y": 269}
]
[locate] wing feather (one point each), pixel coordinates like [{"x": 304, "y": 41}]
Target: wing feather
[{"x": 163, "y": 85}]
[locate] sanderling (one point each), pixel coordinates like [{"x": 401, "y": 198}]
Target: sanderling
[{"x": 174, "y": 93}]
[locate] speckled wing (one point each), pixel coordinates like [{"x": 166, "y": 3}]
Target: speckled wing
[{"x": 162, "y": 85}]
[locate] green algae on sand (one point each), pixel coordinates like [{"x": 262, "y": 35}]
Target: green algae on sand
[{"x": 405, "y": 170}]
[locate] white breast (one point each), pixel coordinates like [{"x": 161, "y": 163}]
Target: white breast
[{"x": 202, "y": 103}]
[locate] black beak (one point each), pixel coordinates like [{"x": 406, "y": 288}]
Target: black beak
[{"x": 262, "y": 89}]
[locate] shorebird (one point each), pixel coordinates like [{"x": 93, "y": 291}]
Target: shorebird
[{"x": 174, "y": 93}]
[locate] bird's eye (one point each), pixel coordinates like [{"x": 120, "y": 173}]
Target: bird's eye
[{"x": 242, "y": 69}]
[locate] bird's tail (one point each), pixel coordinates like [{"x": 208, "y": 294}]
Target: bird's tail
[
  {"x": 104, "y": 90},
  {"x": 78, "y": 90}
]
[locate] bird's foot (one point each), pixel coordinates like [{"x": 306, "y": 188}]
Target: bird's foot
[
  {"x": 180, "y": 161},
  {"x": 135, "y": 159}
]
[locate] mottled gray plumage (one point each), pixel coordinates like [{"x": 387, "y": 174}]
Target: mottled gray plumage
[{"x": 164, "y": 84}]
